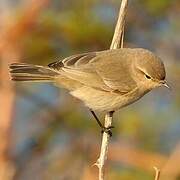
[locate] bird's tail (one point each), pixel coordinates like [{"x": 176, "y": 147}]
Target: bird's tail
[{"x": 28, "y": 72}]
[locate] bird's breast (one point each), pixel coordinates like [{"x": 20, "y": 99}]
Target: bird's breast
[{"x": 105, "y": 101}]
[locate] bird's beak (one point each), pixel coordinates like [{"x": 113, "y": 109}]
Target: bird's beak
[{"x": 165, "y": 84}]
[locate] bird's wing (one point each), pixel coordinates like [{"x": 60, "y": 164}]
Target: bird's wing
[
  {"x": 115, "y": 68},
  {"x": 77, "y": 68},
  {"x": 99, "y": 70}
]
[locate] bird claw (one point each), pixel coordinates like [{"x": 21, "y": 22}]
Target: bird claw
[{"x": 107, "y": 130}]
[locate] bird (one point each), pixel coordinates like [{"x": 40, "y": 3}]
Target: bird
[{"x": 104, "y": 81}]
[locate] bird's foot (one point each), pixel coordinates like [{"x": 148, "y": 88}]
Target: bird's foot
[{"x": 107, "y": 130}]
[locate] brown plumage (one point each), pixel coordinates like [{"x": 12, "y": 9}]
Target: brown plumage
[{"x": 105, "y": 80}]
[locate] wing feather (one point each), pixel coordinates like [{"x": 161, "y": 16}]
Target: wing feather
[
  {"x": 114, "y": 68},
  {"x": 106, "y": 70}
]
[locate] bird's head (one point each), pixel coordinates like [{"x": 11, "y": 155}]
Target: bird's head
[{"x": 149, "y": 70}]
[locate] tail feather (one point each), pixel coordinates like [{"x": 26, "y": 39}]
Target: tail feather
[{"x": 28, "y": 72}]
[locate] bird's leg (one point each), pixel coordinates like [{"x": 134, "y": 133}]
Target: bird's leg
[{"x": 103, "y": 129}]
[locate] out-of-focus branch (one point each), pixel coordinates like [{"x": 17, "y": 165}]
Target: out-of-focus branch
[
  {"x": 134, "y": 157},
  {"x": 171, "y": 170},
  {"x": 116, "y": 43},
  {"x": 15, "y": 30},
  {"x": 11, "y": 34}
]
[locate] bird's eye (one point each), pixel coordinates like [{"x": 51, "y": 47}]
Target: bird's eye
[{"x": 148, "y": 77}]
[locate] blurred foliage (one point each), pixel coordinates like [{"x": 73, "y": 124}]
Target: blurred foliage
[{"x": 157, "y": 7}]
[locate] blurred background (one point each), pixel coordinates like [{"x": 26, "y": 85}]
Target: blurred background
[{"x": 47, "y": 134}]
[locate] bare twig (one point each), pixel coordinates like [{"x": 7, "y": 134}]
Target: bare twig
[
  {"x": 157, "y": 175},
  {"x": 116, "y": 43},
  {"x": 104, "y": 146},
  {"x": 118, "y": 37}
]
